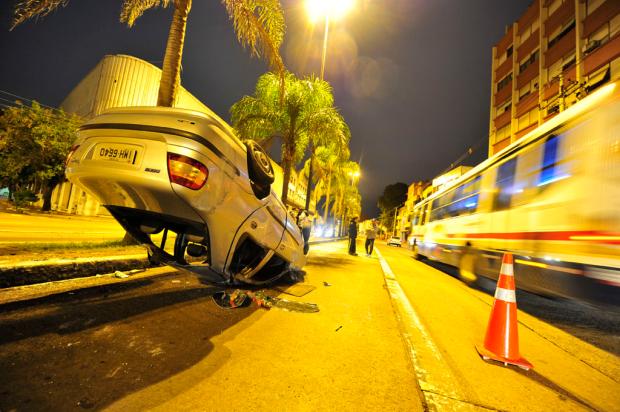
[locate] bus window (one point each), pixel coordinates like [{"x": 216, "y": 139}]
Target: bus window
[
  {"x": 425, "y": 211},
  {"x": 439, "y": 210},
  {"x": 552, "y": 169},
  {"x": 469, "y": 201},
  {"x": 504, "y": 183}
]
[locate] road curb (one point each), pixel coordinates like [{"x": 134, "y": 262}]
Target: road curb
[{"x": 30, "y": 273}]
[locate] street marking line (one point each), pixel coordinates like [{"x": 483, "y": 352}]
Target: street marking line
[{"x": 438, "y": 392}]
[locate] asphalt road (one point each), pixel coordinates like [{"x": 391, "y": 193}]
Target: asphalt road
[
  {"x": 573, "y": 347},
  {"x": 395, "y": 336},
  {"x": 162, "y": 344}
]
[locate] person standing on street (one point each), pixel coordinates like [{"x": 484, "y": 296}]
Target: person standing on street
[
  {"x": 371, "y": 234},
  {"x": 305, "y": 224},
  {"x": 352, "y": 236}
]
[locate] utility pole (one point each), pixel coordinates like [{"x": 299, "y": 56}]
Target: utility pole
[{"x": 394, "y": 226}]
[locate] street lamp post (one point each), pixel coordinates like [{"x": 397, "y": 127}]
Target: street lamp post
[
  {"x": 324, "y": 46},
  {"x": 394, "y": 227},
  {"x": 325, "y": 9}
]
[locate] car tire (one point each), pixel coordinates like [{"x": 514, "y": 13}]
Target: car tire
[{"x": 260, "y": 168}]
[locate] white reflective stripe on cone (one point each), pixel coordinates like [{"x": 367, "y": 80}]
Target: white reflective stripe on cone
[
  {"x": 506, "y": 270},
  {"x": 506, "y": 295}
]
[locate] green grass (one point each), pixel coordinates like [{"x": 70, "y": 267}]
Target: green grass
[{"x": 59, "y": 246}]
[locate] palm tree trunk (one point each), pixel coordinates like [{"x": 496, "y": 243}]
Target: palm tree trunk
[
  {"x": 310, "y": 172},
  {"x": 329, "y": 184},
  {"x": 289, "y": 153},
  {"x": 171, "y": 70}
]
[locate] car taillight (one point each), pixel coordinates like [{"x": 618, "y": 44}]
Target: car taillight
[
  {"x": 186, "y": 171},
  {"x": 71, "y": 153}
]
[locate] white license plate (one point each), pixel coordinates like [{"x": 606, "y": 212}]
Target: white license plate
[{"x": 123, "y": 153}]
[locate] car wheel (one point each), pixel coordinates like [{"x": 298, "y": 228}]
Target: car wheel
[{"x": 259, "y": 165}]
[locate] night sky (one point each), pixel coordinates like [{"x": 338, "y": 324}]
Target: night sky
[{"x": 411, "y": 77}]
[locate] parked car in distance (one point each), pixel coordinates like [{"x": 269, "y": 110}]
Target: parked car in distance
[
  {"x": 394, "y": 241},
  {"x": 167, "y": 171}
]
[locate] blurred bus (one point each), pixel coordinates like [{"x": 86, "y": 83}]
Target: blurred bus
[{"x": 551, "y": 198}]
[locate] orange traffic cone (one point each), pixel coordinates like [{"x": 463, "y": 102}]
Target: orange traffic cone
[{"x": 502, "y": 339}]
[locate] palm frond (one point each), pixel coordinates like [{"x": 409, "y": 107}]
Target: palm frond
[
  {"x": 131, "y": 10},
  {"x": 259, "y": 25},
  {"x": 33, "y": 9}
]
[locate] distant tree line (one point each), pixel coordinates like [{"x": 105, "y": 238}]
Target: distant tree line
[
  {"x": 393, "y": 197},
  {"x": 34, "y": 143}
]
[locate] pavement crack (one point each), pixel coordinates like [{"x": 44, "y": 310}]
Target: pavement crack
[{"x": 478, "y": 405}]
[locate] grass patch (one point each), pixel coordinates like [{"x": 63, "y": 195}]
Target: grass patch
[{"x": 38, "y": 247}]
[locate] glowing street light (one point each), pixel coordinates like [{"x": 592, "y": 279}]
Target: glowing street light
[{"x": 327, "y": 9}]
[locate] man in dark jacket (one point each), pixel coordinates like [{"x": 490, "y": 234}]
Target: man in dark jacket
[{"x": 352, "y": 236}]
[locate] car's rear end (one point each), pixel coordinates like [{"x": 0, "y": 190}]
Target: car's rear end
[{"x": 162, "y": 170}]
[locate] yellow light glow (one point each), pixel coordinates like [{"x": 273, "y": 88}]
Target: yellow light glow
[
  {"x": 527, "y": 262},
  {"x": 335, "y": 9}
]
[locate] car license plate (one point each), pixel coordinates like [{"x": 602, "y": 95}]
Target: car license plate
[{"x": 116, "y": 152}]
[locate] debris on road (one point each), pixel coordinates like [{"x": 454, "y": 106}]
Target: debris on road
[
  {"x": 338, "y": 328},
  {"x": 243, "y": 298},
  {"x": 326, "y": 283},
  {"x": 121, "y": 275}
]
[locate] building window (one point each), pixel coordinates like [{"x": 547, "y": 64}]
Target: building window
[
  {"x": 504, "y": 107},
  {"x": 592, "y": 5},
  {"x": 502, "y": 133},
  {"x": 563, "y": 32},
  {"x": 528, "y": 32},
  {"x": 568, "y": 61},
  {"x": 532, "y": 58},
  {"x": 528, "y": 119},
  {"x": 509, "y": 51},
  {"x": 554, "y": 6},
  {"x": 504, "y": 82}
]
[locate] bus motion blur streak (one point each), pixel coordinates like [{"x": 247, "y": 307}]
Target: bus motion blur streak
[{"x": 552, "y": 198}]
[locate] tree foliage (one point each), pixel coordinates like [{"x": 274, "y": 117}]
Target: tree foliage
[
  {"x": 394, "y": 195},
  {"x": 296, "y": 118},
  {"x": 34, "y": 143}
]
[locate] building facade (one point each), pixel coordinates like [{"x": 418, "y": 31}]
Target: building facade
[{"x": 556, "y": 53}]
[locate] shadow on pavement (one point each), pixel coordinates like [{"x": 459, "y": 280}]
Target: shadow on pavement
[{"x": 89, "y": 348}]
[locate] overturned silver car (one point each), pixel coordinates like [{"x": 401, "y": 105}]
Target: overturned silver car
[{"x": 183, "y": 176}]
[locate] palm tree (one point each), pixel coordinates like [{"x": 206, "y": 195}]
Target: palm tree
[
  {"x": 349, "y": 199},
  {"x": 292, "y": 117},
  {"x": 329, "y": 159},
  {"x": 328, "y": 128},
  {"x": 259, "y": 26}
]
